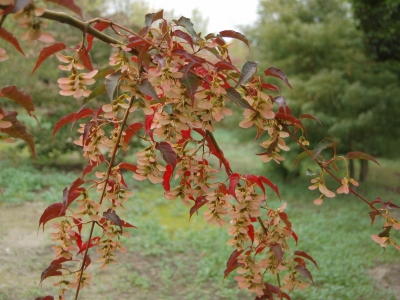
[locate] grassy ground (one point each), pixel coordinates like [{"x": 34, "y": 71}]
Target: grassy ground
[{"x": 171, "y": 257}]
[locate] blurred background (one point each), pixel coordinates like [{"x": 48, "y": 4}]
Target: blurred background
[{"x": 342, "y": 58}]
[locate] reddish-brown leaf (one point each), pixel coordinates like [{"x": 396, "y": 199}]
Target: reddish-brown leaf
[
  {"x": 304, "y": 271},
  {"x": 308, "y": 116},
  {"x": 361, "y": 155},
  {"x": 53, "y": 269},
  {"x": 18, "y": 130},
  {"x": 277, "y": 249},
  {"x": 372, "y": 215},
  {"x": 285, "y": 219},
  {"x": 70, "y": 4},
  {"x": 88, "y": 260},
  {"x": 255, "y": 179},
  {"x": 235, "y": 35},
  {"x": 127, "y": 166},
  {"x": 53, "y": 211},
  {"x": 18, "y": 96},
  {"x": 48, "y": 297},
  {"x": 183, "y": 35},
  {"x": 275, "y": 72},
  {"x": 92, "y": 164},
  {"x": 232, "y": 262},
  {"x": 269, "y": 290},
  {"x": 225, "y": 65},
  {"x": 305, "y": 255},
  {"x": 167, "y": 178},
  {"x": 47, "y": 52},
  {"x": 187, "y": 55},
  {"x": 168, "y": 153},
  {"x": 63, "y": 121},
  {"x": 131, "y": 130},
  {"x": 112, "y": 216},
  {"x": 84, "y": 57},
  {"x": 294, "y": 235},
  {"x": 100, "y": 26},
  {"x": 9, "y": 37},
  {"x": 148, "y": 122},
  {"x": 83, "y": 113},
  {"x": 271, "y": 87}
]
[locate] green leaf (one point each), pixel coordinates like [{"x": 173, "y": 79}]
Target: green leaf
[
  {"x": 101, "y": 89},
  {"x": 361, "y": 155},
  {"x": 191, "y": 83},
  {"x": 235, "y": 35},
  {"x": 303, "y": 155},
  {"x": 249, "y": 68},
  {"x": 168, "y": 109},
  {"x": 146, "y": 88},
  {"x": 185, "y": 22},
  {"x": 112, "y": 83},
  {"x": 324, "y": 144},
  {"x": 235, "y": 96}
]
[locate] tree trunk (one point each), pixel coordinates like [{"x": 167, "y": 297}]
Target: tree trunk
[{"x": 363, "y": 170}]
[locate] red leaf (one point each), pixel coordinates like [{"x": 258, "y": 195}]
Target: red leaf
[
  {"x": 271, "y": 87},
  {"x": 53, "y": 269},
  {"x": 250, "y": 232},
  {"x": 185, "y": 136},
  {"x": 305, "y": 255},
  {"x": 51, "y": 212},
  {"x": 285, "y": 219},
  {"x": 83, "y": 113},
  {"x": 199, "y": 202},
  {"x": 167, "y": 178},
  {"x": 148, "y": 122},
  {"x": 48, "y": 297},
  {"x": 308, "y": 116},
  {"x": 70, "y": 4},
  {"x": 84, "y": 57},
  {"x": 92, "y": 243},
  {"x": 183, "y": 35},
  {"x": 129, "y": 167},
  {"x": 18, "y": 130},
  {"x": 270, "y": 184},
  {"x": 78, "y": 222},
  {"x": 63, "y": 121},
  {"x": 254, "y": 179},
  {"x": 131, "y": 130},
  {"x": 47, "y": 52},
  {"x": 361, "y": 155},
  {"x": 91, "y": 164},
  {"x": 233, "y": 182},
  {"x": 294, "y": 235},
  {"x": 9, "y": 37},
  {"x": 304, "y": 271},
  {"x": 168, "y": 153},
  {"x": 390, "y": 205},
  {"x": 100, "y": 26},
  {"x": 300, "y": 261},
  {"x": 126, "y": 224},
  {"x": 232, "y": 262},
  {"x": 275, "y": 72},
  {"x": 18, "y": 96},
  {"x": 87, "y": 261},
  {"x": 235, "y": 35}
]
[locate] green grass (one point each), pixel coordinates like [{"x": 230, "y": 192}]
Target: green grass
[{"x": 173, "y": 257}]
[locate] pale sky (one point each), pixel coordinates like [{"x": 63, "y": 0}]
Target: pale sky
[{"x": 222, "y": 14}]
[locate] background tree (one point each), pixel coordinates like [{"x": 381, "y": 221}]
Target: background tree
[{"x": 317, "y": 44}]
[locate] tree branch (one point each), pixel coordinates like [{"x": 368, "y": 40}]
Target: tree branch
[{"x": 62, "y": 17}]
